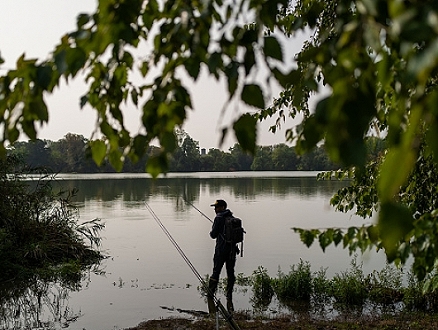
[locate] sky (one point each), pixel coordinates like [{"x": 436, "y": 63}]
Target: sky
[{"x": 35, "y": 27}]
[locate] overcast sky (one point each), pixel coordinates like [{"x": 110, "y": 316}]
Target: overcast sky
[{"x": 34, "y": 27}]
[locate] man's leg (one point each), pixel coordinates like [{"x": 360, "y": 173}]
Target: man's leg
[
  {"x": 218, "y": 263},
  {"x": 212, "y": 286},
  {"x": 231, "y": 279}
]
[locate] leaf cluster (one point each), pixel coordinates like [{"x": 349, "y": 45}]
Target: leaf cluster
[
  {"x": 403, "y": 229},
  {"x": 174, "y": 40}
]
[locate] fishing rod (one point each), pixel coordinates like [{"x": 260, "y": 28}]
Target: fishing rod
[
  {"x": 233, "y": 325},
  {"x": 198, "y": 210}
]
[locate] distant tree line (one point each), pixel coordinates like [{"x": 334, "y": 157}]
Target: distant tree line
[{"x": 70, "y": 155}]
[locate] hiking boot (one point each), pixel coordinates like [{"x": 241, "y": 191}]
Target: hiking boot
[
  {"x": 212, "y": 286},
  {"x": 230, "y": 306},
  {"x": 229, "y": 294},
  {"x": 211, "y": 307}
]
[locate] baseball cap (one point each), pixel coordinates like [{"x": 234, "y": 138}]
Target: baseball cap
[{"x": 219, "y": 202}]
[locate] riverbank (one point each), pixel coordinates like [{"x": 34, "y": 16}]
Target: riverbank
[{"x": 401, "y": 321}]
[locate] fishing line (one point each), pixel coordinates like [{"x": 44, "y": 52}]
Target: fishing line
[{"x": 219, "y": 305}]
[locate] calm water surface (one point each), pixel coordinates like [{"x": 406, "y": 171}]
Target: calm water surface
[{"x": 145, "y": 272}]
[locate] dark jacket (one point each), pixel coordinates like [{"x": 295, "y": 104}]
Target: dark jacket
[{"x": 217, "y": 230}]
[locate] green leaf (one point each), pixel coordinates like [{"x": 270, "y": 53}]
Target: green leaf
[
  {"x": 337, "y": 237},
  {"x": 60, "y": 61},
  {"x": 36, "y": 109},
  {"x": 192, "y": 67},
  {"x": 325, "y": 239},
  {"x": 29, "y": 129},
  {"x": 272, "y": 48},
  {"x": 373, "y": 233},
  {"x": 420, "y": 65},
  {"x": 98, "y": 151},
  {"x": 252, "y": 95},
  {"x": 394, "y": 223},
  {"x": 214, "y": 62},
  {"x": 249, "y": 60},
  {"x": 116, "y": 159},
  {"x": 13, "y": 134},
  {"x": 84, "y": 100},
  {"x": 232, "y": 73},
  {"x": 144, "y": 68},
  {"x": 82, "y": 19},
  {"x": 287, "y": 80},
  {"x": 245, "y": 129},
  {"x": 139, "y": 145},
  {"x": 157, "y": 165},
  {"x": 307, "y": 236},
  {"x": 168, "y": 141},
  {"x": 134, "y": 96},
  {"x": 75, "y": 59},
  {"x": 390, "y": 180},
  {"x": 44, "y": 76}
]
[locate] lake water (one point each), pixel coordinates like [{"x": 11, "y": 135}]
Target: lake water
[{"x": 145, "y": 272}]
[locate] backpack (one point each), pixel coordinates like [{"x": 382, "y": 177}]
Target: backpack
[{"x": 234, "y": 232}]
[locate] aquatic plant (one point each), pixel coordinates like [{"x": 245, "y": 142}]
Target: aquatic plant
[
  {"x": 350, "y": 293},
  {"x": 419, "y": 295},
  {"x": 385, "y": 286},
  {"x": 349, "y": 287},
  {"x": 262, "y": 290},
  {"x": 296, "y": 285},
  {"x": 321, "y": 287}
]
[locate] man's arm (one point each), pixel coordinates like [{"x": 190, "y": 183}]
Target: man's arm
[{"x": 217, "y": 226}]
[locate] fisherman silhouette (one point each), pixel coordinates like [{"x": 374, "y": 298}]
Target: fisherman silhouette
[{"x": 224, "y": 253}]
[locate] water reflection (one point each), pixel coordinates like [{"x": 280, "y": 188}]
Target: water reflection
[
  {"x": 40, "y": 303},
  {"x": 190, "y": 188}
]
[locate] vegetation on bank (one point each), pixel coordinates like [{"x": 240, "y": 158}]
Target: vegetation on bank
[
  {"x": 41, "y": 240},
  {"x": 70, "y": 154},
  {"x": 351, "y": 292},
  {"x": 385, "y": 299}
]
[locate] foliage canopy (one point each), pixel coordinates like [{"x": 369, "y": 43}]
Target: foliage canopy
[{"x": 377, "y": 59}]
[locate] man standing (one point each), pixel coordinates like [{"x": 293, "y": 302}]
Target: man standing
[{"x": 224, "y": 253}]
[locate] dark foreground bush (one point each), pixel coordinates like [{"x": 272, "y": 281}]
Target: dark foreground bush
[{"x": 40, "y": 237}]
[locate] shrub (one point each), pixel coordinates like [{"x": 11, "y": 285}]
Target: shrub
[
  {"x": 419, "y": 295},
  {"x": 39, "y": 230},
  {"x": 349, "y": 287},
  {"x": 385, "y": 286},
  {"x": 295, "y": 286},
  {"x": 321, "y": 287},
  {"x": 262, "y": 290}
]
